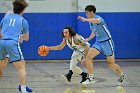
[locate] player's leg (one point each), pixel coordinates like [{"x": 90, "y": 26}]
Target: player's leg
[
  {"x": 20, "y": 66},
  {"x": 1, "y": 71},
  {"x": 72, "y": 67},
  {"x": 1, "y": 68},
  {"x": 3, "y": 64},
  {"x": 93, "y": 52},
  {"x": 76, "y": 57},
  {"x": 108, "y": 49},
  {"x": 115, "y": 67},
  {"x": 2, "y": 56},
  {"x": 16, "y": 57}
]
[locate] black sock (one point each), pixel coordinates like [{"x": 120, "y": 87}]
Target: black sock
[
  {"x": 70, "y": 73},
  {"x": 83, "y": 73}
]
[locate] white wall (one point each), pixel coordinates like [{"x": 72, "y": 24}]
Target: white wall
[
  {"x": 41, "y": 6},
  {"x": 52, "y": 6},
  {"x": 44, "y": 6},
  {"x": 83, "y": 3},
  {"x": 5, "y": 5},
  {"x": 117, "y": 5}
]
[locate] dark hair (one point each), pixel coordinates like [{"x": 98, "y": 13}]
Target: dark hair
[
  {"x": 90, "y": 8},
  {"x": 19, "y": 6},
  {"x": 71, "y": 31}
]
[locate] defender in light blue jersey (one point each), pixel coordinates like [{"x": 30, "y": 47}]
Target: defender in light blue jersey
[
  {"x": 104, "y": 44},
  {"x": 11, "y": 27}
]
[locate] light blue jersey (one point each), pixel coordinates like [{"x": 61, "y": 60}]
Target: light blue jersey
[
  {"x": 104, "y": 44},
  {"x": 12, "y": 26},
  {"x": 100, "y": 30}
]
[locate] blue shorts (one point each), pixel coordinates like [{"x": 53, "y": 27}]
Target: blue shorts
[
  {"x": 11, "y": 48},
  {"x": 105, "y": 47}
]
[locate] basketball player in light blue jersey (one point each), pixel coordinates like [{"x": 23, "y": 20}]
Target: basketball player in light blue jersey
[
  {"x": 104, "y": 44},
  {"x": 80, "y": 49},
  {"x": 6, "y": 59},
  {"x": 12, "y": 25}
]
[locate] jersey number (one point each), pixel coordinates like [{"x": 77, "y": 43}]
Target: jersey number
[{"x": 12, "y": 22}]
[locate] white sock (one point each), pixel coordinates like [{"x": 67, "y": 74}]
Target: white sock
[
  {"x": 23, "y": 88},
  {"x": 91, "y": 76},
  {"x": 122, "y": 74}
]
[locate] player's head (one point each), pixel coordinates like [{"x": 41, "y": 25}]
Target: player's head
[
  {"x": 68, "y": 32},
  {"x": 27, "y": 1},
  {"x": 19, "y": 6},
  {"x": 90, "y": 11}
]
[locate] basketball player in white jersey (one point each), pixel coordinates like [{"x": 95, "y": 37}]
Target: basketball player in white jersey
[{"x": 80, "y": 48}]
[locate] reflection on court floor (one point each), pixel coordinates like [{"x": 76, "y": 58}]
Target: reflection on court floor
[
  {"x": 119, "y": 89},
  {"x": 69, "y": 90}
]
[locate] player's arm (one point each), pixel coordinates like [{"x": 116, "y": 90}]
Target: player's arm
[
  {"x": 78, "y": 40},
  {"x": 58, "y": 47},
  {"x": 25, "y": 32},
  {"x": 25, "y": 37},
  {"x": 21, "y": 38},
  {"x": 92, "y": 35},
  {"x": 92, "y": 20}
]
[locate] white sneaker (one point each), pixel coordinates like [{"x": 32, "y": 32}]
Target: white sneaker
[
  {"x": 24, "y": 92},
  {"x": 121, "y": 80},
  {"x": 88, "y": 81}
]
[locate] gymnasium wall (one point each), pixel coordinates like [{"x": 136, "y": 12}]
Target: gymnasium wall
[{"x": 47, "y": 19}]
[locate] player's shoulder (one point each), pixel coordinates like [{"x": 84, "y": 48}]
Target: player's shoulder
[
  {"x": 77, "y": 37},
  {"x": 101, "y": 18},
  {"x": 7, "y": 16},
  {"x": 24, "y": 21},
  {"x": 97, "y": 16}
]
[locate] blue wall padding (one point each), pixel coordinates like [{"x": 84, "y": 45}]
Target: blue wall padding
[{"x": 46, "y": 29}]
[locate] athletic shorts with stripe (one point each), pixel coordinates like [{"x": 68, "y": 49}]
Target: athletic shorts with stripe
[
  {"x": 105, "y": 47},
  {"x": 12, "y": 48}
]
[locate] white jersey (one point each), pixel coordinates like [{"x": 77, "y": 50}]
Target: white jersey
[{"x": 77, "y": 48}]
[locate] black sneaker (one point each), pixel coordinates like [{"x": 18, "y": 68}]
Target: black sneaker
[
  {"x": 121, "y": 79},
  {"x": 84, "y": 77},
  {"x": 67, "y": 77}
]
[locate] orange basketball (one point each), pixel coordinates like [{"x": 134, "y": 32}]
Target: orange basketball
[{"x": 43, "y": 50}]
